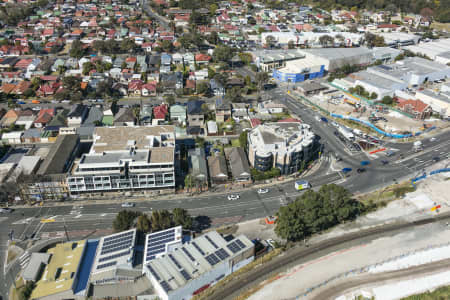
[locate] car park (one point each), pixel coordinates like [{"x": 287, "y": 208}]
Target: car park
[
  {"x": 233, "y": 197},
  {"x": 263, "y": 191},
  {"x": 128, "y": 204}
]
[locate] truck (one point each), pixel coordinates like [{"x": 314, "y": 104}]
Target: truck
[
  {"x": 417, "y": 146},
  {"x": 302, "y": 185}
]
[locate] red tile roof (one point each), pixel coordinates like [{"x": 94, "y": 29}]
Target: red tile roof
[
  {"x": 255, "y": 122},
  {"x": 416, "y": 105},
  {"x": 160, "y": 112}
]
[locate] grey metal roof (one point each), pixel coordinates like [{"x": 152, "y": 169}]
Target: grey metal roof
[
  {"x": 197, "y": 164},
  {"x": 95, "y": 114},
  {"x": 56, "y": 161},
  {"x": 37, "y": 261},
  {"x": 238, "y": 162}
]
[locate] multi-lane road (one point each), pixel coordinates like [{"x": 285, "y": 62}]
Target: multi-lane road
[{"x": 94, "y": 217}]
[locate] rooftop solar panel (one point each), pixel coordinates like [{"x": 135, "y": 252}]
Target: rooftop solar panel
[
  {"x": 120, "y": 254},
  {"x": 165, "y": 286},
  {"x": 233, "y": 247},
  {"x": 240, "y": 243},
  {"x": 185, "y": 274},
  {"x": 198, "y": 248},
  {"x": 175, "y": 261},
  {"x": 154, "y": 273},
  {"x": 222, "y": 254},
  {"x": 109, "y": 264},
  {"x": 211, "y": 241},
  {"x": 188, "y": 254},
  {"x": 212, "y": 259}
]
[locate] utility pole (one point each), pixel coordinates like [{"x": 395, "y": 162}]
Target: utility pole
[{"x": 65, "y": 229}]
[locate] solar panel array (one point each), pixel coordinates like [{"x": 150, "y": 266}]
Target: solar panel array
[
  {"x": 212, "y": 259},
  {"x": 175, "y": 261},
  {"x": 198, "y": 248},
  {"x": 120, "y": 254},
  {"x": 122, "y": 244},
  {"x": 111, "y": 239},
  {"x": 165, "y": 286},
  {"x": 185, "y": 274},
  {"x": 188, "y": 254},
  {"x": 156, "y": 243},
  {"x": 222, "y": 254},
  {"x": 211, "y": 241},
  {"x": 109, "y": 264},
  {"x": 236, "y": 246},
  {"x": 154, "y": 273}
]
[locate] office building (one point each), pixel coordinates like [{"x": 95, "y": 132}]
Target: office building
[{"x": 283, "y": 145}]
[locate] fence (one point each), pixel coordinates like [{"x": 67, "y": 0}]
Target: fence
[
  {"x": 396, "y": 136},
  {"x": 414, "y": 180},
  {"x": 368, "y": 268}
]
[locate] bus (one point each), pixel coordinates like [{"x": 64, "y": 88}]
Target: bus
[{"x": 302, "y": 185}]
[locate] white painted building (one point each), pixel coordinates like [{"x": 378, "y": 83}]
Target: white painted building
[
  {"x": 126, "y": 158},
  {"x": 197, "y": 265}
]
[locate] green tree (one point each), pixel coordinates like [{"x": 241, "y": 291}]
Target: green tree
[
  {"x": 124, "y": 220},
  {"x": 243, "y": 140},
  {"x": 29, "y": 93},
  {"x": 77, "y": 49},
  {"x": 202, "y": 88},
  {"x": 212, "y": 9},
  {"x": 72, "y": 83},
  {"x": 143, "y": 224},
  {"x": 161, "y": 219},
  {"x": 314, "y": 212},
  {"x": 222, "y": 54},
  {"x": 373, "y": 95},
  {"x": 188, "y": 182},
  {"x": 25, "y": 291},
  {"x": 326, "y": 40},
  {"x": 261, "y": 78},
  {"x": 387, "y": 100},
  {"x": 181, "y": 217},
  {"x": 234, "y": 94}
]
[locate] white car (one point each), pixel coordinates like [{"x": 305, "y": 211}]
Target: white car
[
  {"x": 233, "y": 197},
  {"x": 271, "y": 243},
  {"x": 127, "y": 204},
  {"x": 433, "y": 139},
  {"x": 263, "y": 191}
]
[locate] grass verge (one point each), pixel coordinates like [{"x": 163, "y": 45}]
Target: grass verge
[
  {"x": 440, "y": 293},
  {"x": 382, "y": 197}
]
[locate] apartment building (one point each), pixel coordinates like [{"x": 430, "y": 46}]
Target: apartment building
[{"x": 128, "y": 158}]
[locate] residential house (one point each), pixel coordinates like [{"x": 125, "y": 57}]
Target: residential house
[
  {"x": 94, "y": 117},
  {"x": 77, "y": 115},
  {"x": 32, "y": 136},
  {"x": 178, "y": 113},
  {"x": 26, "y": 118},
  {"x": 159, "y": 114},
  {"x": 189, "y": 60},
  {"x": 148, "y": 89},
  {"x": 10, "y": 118},
  {"x": 201, "y": 74},
  {"x": 202, "y": 59},
  {"x": 198, "y": 168},
  {"x": 44, "y": 116},
  {"x": 59, "y": 120},
  {"x": 217, "y": 88},
  {"x": 195, "y": 114},
  {"x": 177, "y": 58},
  {"x": 22, "y": 87},
  {"x": 135, "y": 88},
  {"x": 223, "y": 110},
  {"x": 212, "y": 128},
  {"x": 13, "y": 137},
  {"x": 171, "y": 81},
  {"x": 218, "y": 173},
  {"x": 239, "y": 166},
  {"x": 166, "y": 61},
  {"x": 145, "y": 116},
  {"x": 125, "y": 117}
]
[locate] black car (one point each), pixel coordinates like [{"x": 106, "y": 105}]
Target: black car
[
  {"x": 436, "y": 158},
  {"x": 384, "y": 162},
  {"x": 361, "y": 170}
]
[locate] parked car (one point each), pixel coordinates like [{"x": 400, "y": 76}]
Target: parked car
[
  {"x": 233, "y": 197},
  {"x": 271, "y": 243},
  {"x": 6, "y": 210},
  {"x": 263, "y": 191},
  {"x": 128, "y": 204},
  {"x": 384, "y": 162},
  {"x": 361, "y": 170}
]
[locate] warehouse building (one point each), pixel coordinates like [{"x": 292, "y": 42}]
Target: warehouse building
[
  {"x": 126, "y": 159},
  {"x": 385, "y": 80},
  {"x": 334, "y": 58},
  {"x": 399, "y": 39},
  {"x": 436, "y": 50},
  {"x": 283, "y": 145},
  {"x": 162, "y": 242},
  {"x": 439, "y": 102},
  {"x": 114, "y": 258},
  {"x": 188, "y": 270}
]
